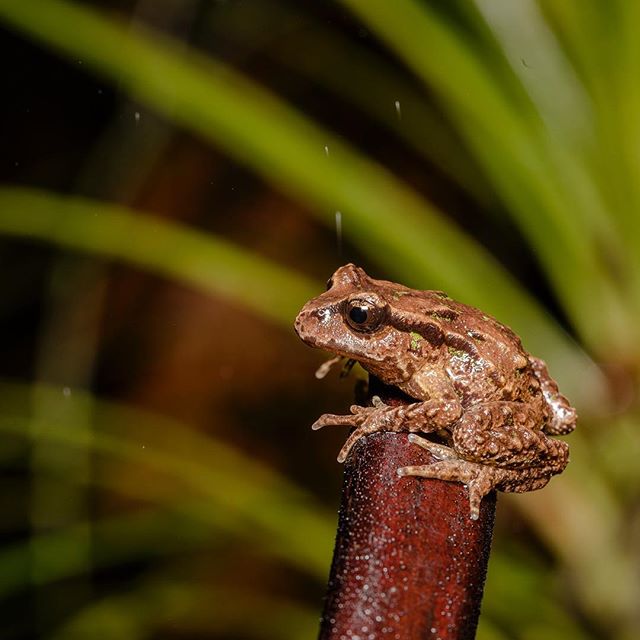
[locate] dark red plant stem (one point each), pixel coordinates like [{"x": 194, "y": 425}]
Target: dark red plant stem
[{"x": 408, "y": 563}]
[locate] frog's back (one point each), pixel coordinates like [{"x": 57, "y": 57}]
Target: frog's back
[{"x": 484, "y": 358}]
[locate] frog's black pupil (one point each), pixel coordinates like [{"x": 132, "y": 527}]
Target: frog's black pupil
[{"x": 359, "y": 315}]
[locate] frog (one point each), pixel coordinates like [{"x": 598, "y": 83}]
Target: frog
[{"x": 486, "y": 410}]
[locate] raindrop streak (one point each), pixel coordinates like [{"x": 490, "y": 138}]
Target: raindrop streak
[
  {"x": 137, "y": 116},
  {"x": 339, "y": 231},
  {"x": 398, "y": 110},
  {"x": 326, "y": 150}
]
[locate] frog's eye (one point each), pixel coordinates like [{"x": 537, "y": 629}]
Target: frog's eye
[
  {"x": 329, "y": 283},
  {"x": 364, "y": 315}
]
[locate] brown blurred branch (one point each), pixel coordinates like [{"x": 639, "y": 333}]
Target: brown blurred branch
[{"x": 409, "y": 562}]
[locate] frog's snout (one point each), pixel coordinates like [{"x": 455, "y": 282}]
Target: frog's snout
[
  {"x": 302, "y": 324},
  {"x": 308, "y": 325},
  {"x": 298, "y": 325}
]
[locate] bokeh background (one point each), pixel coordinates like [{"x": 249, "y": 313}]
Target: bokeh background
[{"x": 180, "y": 176}]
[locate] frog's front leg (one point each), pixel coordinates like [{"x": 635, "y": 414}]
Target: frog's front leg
[{"x": 427, "y": 416}]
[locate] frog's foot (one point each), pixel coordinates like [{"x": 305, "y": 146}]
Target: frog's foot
[
  {"x": 364, "y": 420},
  {"x": 440, "y": 451},
  {"x": 357, "y": 416},
  {"x": 333, "y": 420},
  {"x": 480, "y": 479}
]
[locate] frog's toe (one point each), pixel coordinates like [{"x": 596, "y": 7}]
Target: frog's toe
[
  {"x": 363, "y": 429},
  {"x": 330, "y": 419},
  {"x": 348, "y": 445},
  {"x": 484, "y": 482},
  {"x": 479, "y": 479},
  {"x": 356, "y": 409},
  {"x": 439, "y": 451}
]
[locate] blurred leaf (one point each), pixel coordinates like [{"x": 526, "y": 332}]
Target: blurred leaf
[
  {"x": 488, "y": 631},
  {"x": 512, "y": 581},
  {"x": 601, "y": 41},
  {"x": 580, "y": 519},
  {"x": 390, "y": 99},
  {"x": 202, "y": 260},
  {"x": 117, "y": 540},
  {"x": 544, "y": 185},
  {"x": 194, "y": 608},
  {"x": 382, "y": 216},
  {"x": 245, "y": 493}
]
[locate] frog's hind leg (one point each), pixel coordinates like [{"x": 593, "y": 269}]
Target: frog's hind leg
[
  {"x": 563, "y": 415},
  {"x": 439, "y": 451},
  {"x": 496, "y": 445},
  {"x": 507, "y": 435},
  {"x": 480, "y": 479}
]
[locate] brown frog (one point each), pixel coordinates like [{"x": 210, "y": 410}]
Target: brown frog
[{"x": 490, "y": 405}]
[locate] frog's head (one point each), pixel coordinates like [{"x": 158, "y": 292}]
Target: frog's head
[{"x": 352, "y": 320}]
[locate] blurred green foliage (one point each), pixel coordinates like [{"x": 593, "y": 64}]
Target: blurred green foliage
[{"x": 532, "y": 108}]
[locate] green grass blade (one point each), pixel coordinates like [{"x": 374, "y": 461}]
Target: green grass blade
[
  {"x": 202, "y": 260},
  {"x": 521, "y": 159},
  {"x": 538, "y": 61},
  {"x": 580, "y": 519},
  {"x": 317, "y": 51},
  {"x": 114, "y": 541},
  {"x": 382, "y": 216},
  {"x": 602, "y": 44},
  {"x": 540, "y": 65},
  {"x": 248, "y": 493},
  {"x": 192, "y": 608},
  {"x": 520, "y": 594}
]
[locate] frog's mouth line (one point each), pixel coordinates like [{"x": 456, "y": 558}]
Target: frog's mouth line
[{"x": 325, "y": 367}]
